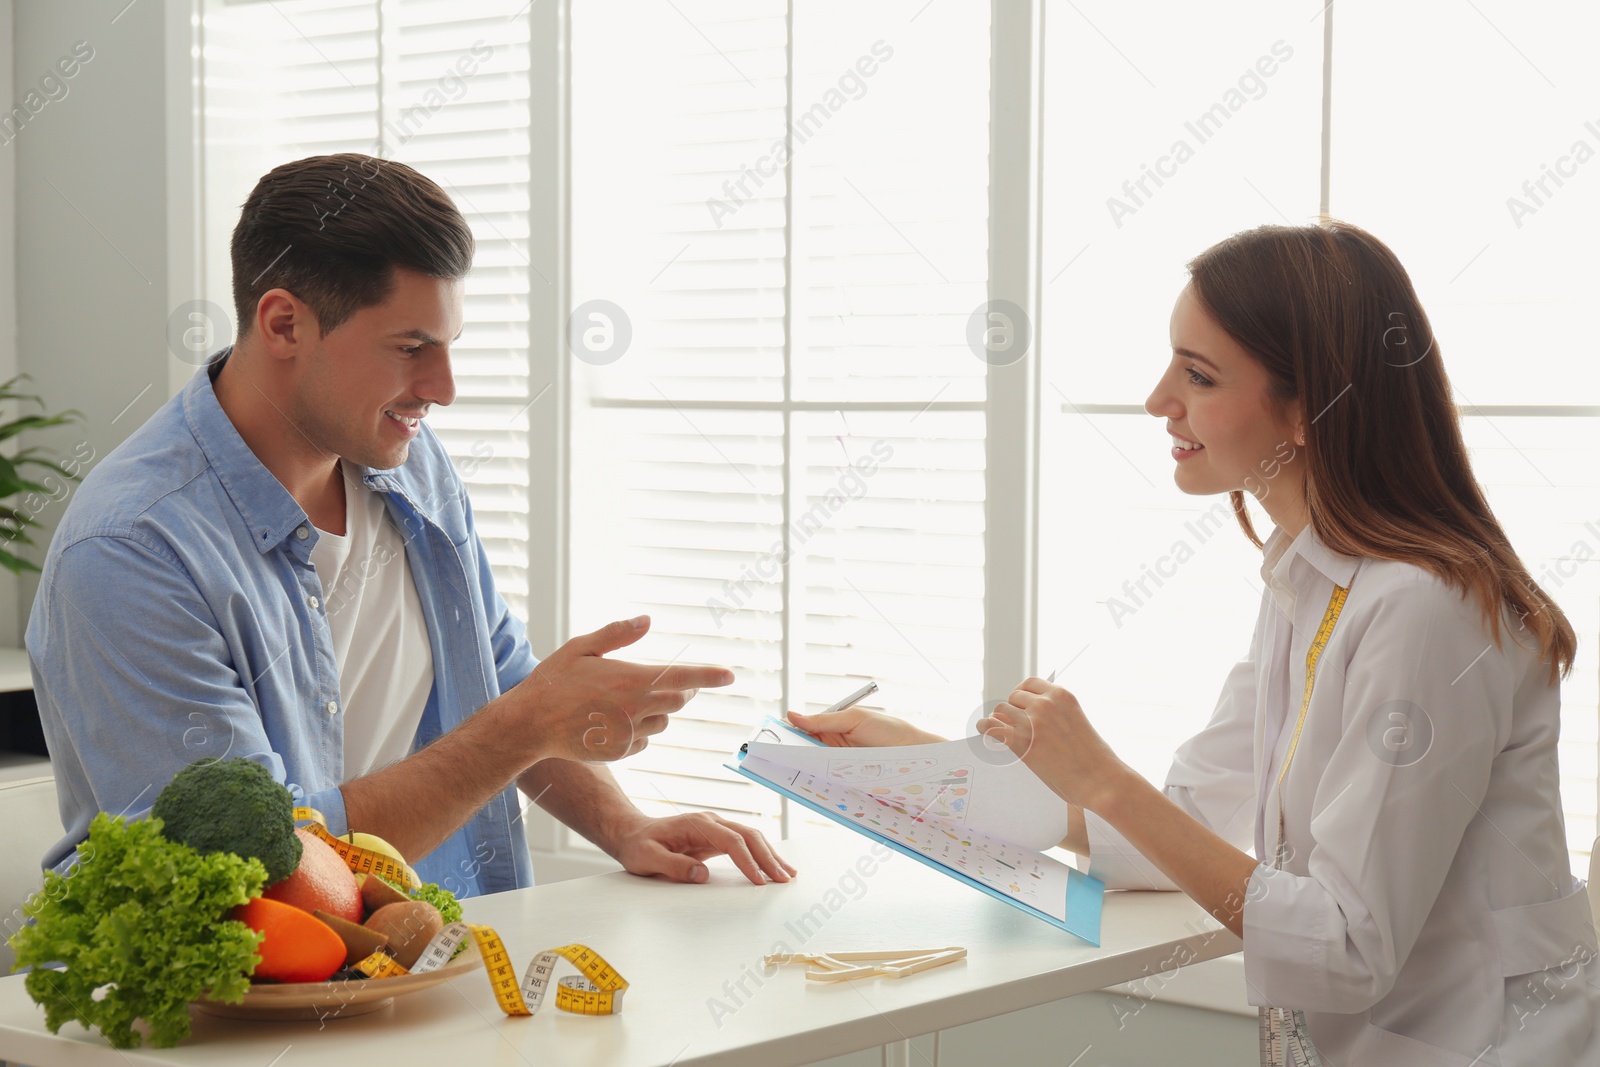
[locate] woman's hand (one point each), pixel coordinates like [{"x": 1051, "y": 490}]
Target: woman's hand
[
  {"x": 859, "y": 728},
  {"x": 1044, "y": 725}
]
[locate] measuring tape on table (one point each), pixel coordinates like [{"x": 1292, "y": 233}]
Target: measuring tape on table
[{"x": 596, "y": 990}]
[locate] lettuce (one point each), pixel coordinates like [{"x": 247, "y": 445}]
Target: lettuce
[
  {"x": 140, "y": 926},
  {"x": 441, "y": 898},
  {"x": 447, "y": 903}
]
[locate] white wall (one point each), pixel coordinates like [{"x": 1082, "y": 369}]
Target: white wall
[
  {"x": 9, "y": 612},
  {"x": 92, "y": 225}
]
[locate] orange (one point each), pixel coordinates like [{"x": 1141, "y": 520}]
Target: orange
[
  {"x": 322, "y": 880},
  {"x": 299, "y": 947}
]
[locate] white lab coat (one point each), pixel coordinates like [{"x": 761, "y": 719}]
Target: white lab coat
[{"x": 1427, "y": 913}]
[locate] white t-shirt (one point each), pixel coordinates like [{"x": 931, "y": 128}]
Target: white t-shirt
[{"x": 380, "y": 639}]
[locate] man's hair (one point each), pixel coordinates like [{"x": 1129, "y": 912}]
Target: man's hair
[{"x": 331, "y": 230}]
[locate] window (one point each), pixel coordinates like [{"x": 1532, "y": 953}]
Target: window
[
  {"x": 779, "y": 426},
  {"x": 1501, "y": 255},
  {"x": 1169, "y": 604}
]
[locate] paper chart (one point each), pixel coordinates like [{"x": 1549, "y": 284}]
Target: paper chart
[
  {"x": 960, "y": 780},
  {"x": 1011, "y": 870}
]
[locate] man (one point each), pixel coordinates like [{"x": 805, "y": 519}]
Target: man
[{"x": 281, "y": 564}]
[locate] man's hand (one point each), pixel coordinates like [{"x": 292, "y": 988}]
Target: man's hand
[
  {"x": 859, "y": 728},
  {"x": 578, "y": 705},
  {"x": 674, "y": 847}
]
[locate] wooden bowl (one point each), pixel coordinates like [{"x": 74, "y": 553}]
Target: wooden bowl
[{"x": 334, "y": 1000}]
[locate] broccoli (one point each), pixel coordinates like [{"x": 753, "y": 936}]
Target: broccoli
[{"x": 232, "y": 806}]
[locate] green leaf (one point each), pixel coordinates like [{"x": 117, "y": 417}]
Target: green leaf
[
  {"x": 144, "y": 921},
  {"x": 33, "y": 422},
  {"x": 16, "y": 564},
  {"x": 7, "y": 394},
  {"x": 13, "y": 521},
  {"x": 11, "y": 484}
]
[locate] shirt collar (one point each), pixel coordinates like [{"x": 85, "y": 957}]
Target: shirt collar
[
  {"x": 266, "y": 506},
  {"x": 1285, "y": 579},
  {"x": 268, "y": 510}
]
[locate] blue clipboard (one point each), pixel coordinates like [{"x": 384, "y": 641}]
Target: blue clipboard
[{"x": 1085, "y": 894}]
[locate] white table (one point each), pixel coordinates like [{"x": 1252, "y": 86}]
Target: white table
[{"x": 680, "y": 946}]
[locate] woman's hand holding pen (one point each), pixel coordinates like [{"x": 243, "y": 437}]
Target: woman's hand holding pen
[
  {"x": 1045, "y": 726},
  {"x": 860, "y": 728}
]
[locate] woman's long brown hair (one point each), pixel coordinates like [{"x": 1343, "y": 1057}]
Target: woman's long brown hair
[{"x": 1331, "y": 314}]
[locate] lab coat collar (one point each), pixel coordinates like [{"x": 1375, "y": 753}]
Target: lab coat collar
[{"x": 1285, "y": 580}]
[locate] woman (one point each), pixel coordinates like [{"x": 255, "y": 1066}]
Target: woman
[{"x": 1389, "y": 745}]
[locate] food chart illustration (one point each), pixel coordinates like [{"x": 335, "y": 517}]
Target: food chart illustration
[{"x": 912, "y": 786}]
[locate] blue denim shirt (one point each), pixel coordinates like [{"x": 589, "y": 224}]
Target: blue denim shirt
[{"x": 179, "y": 616}]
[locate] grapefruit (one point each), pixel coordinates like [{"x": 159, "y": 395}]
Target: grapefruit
[
  {"x": 298, "y": 947},
  {"x": 322, "y": 880}
]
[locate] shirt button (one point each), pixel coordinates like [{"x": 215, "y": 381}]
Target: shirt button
[
  {"x": 333, "y": 707},
  {"x": 314, "y": 602},
  {"x": 302, "y": 533}
]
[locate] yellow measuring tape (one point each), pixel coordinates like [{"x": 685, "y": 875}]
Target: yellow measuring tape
[
  {"x": 596, "y": 990},
  {"x": 360, "y": 860},
  {"x": 1282, "y": 1031},
  {"x": 1313, "y": 654}
]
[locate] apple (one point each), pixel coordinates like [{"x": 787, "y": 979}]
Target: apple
[{"x": 374, "y": 843}]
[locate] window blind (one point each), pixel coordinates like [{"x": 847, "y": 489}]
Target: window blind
[{"x": 785, "y": 467}]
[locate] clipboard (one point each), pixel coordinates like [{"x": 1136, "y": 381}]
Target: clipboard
[{"x": 871, "y": 791}]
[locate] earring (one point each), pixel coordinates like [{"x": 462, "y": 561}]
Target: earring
[{"x": 1300, "y": 439}]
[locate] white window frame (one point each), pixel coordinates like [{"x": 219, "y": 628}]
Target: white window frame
[{"x": 1012, "y": 443}]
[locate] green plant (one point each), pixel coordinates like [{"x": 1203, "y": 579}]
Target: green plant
[{"x": 14, "y": 521}]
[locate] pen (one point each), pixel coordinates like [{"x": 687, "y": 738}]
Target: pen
[{"x": 853, "y": 699}]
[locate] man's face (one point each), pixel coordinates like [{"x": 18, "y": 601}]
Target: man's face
[{"x": 364, "y": 388}]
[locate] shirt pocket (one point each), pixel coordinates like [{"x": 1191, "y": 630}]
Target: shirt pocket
[
  {"x": 1541, "y": 937},
  {"x": 1376, "y": 1045}
]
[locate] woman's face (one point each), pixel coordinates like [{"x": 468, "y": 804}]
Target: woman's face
[{"x": 1228, "y": 431}]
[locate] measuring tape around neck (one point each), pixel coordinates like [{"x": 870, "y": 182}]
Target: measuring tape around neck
[
  {"x": 1282, "y": 1031},
  {"x": 596, "y": 990},
  {"x": 1313, "y": 654}
]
